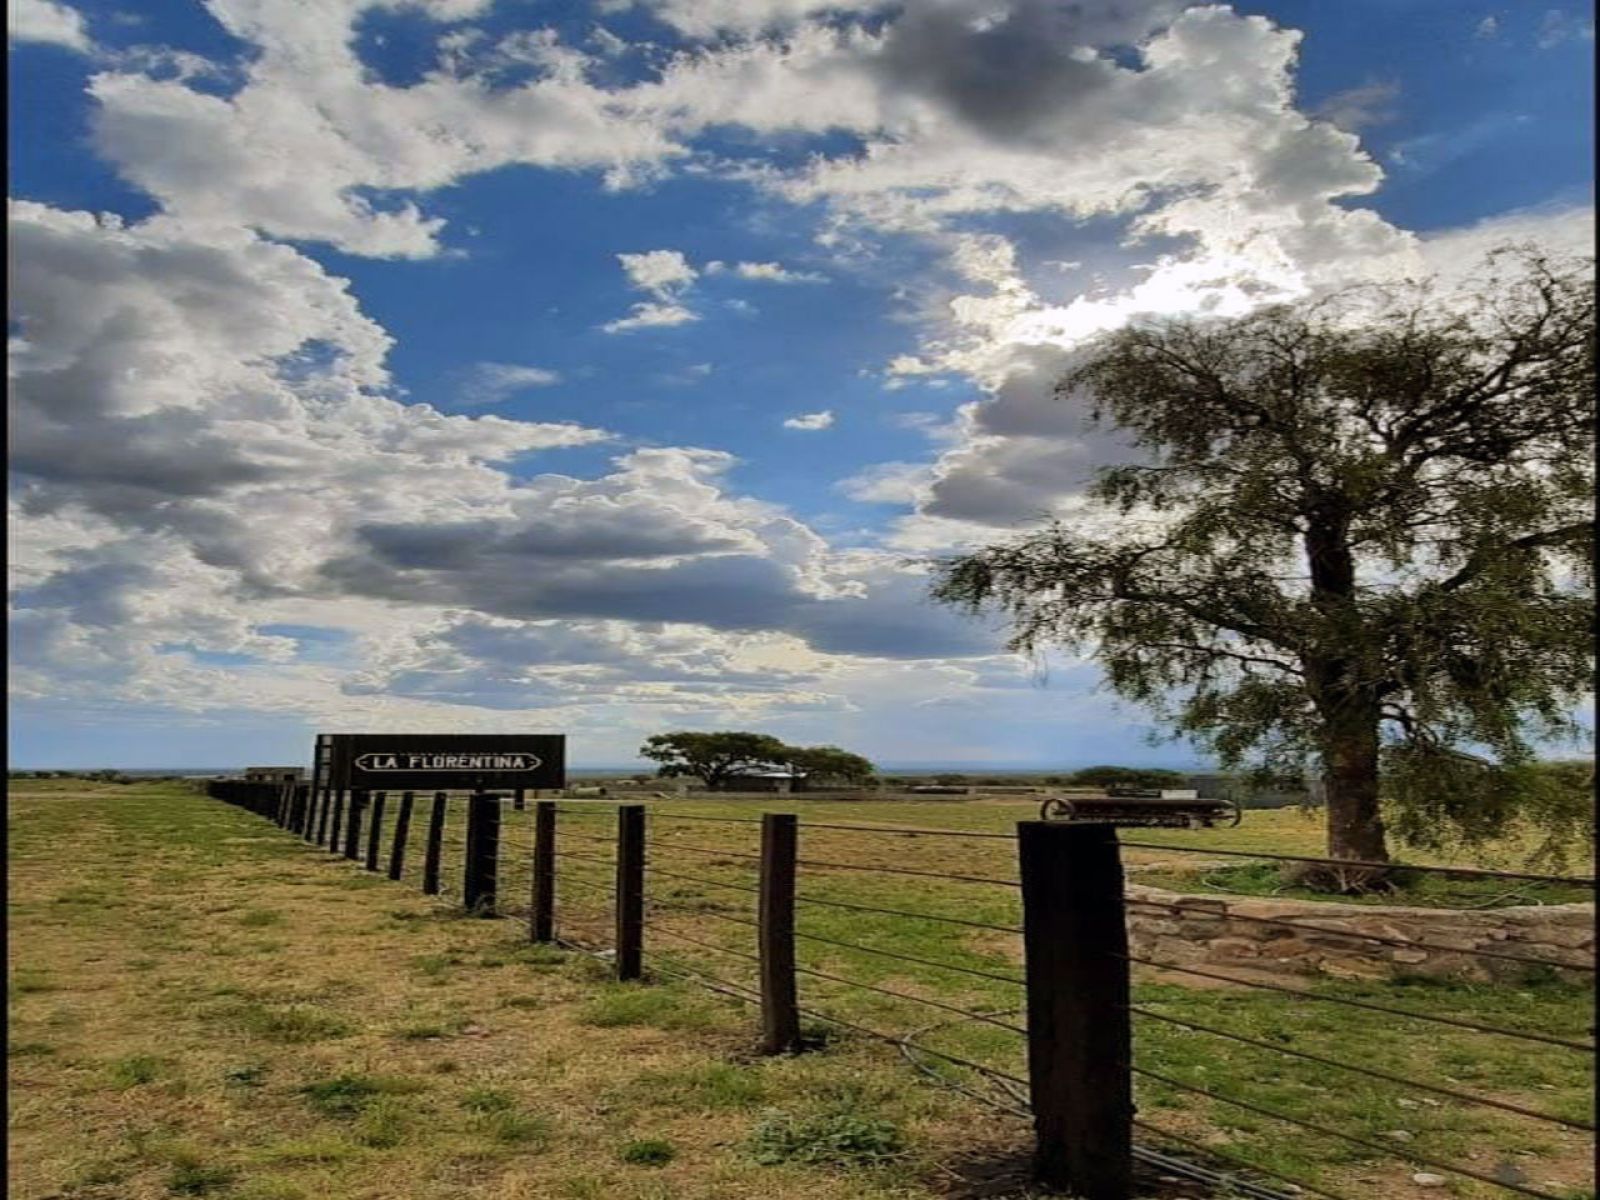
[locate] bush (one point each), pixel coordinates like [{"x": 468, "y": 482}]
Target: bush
[
  {"x": 840, "y": 1138},
  {"x": 648, "y": 1152}
]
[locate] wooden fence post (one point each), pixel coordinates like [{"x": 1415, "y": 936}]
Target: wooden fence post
[
  {"x": 430, "y": 860},
  {"x": 302, "y": 811},
  {"x": 375, "y": 829},
  {"x": 780, "y": 1013},
  {"x": 630, "y": 891},
  {"x": 1080, "y": 1046},
  {"x": 352, "y": 825},
  {"x": 519, "y": 799},
  {"x": 478, "y": 880},
  {"x": 338, "y": 821},
  {"x": 402, "y": 831},
  {"x": 542, "y": 914}
]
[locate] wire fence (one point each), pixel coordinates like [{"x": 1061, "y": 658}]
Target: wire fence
[{"x": 1013, "y": 969}]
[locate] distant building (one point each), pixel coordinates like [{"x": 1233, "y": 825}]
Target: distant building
[
  {"x": 783, "y": 780},
  {"x": 274, "y": 775}
]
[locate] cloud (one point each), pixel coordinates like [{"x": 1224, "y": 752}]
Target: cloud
[
  {"x": 313, "y": 146},
  {"x": 205, "y": 451},
  {"x": 764, "y": 272},
  {"x": 47, "y": 21},
  {"x": 810, "y": 421},
  {"x": 1558, "y": 26},
  {"x": 1487, "y": 28},
  {"x": 1371, "y": 103},
  {"x": 706, "y": 18},
  {"x": 687, "y": 376},
  {"x": 663, "y": 274},
  {"x": 651, "y": 315},
  {"x": 491, "y": 382}
]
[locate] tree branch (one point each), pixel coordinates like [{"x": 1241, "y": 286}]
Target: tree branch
[{"x": 1479, "y": 559}]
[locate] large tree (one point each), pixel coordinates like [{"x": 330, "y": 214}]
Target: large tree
[
  {"x": 1358, "y": 542},
  {"x": 829, "y": 764},
  {"x": 717, "y": 757},
  {"x": 714, "y": 757}
]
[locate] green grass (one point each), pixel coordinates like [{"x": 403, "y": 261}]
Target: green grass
[
  {"x": 382, "y": 1042},
  {"x": 648, "y": 1152},
  {"x": 134, "y": 1070},
  {"x": 1421, "y": 888},
  {"x": 841, "y": 1137},
  {"x": 637, "y": 1004},
  {"x": 350, "y": 1095}
]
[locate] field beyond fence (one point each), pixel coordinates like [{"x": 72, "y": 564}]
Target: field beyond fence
[{"x": 909, "y": 939}]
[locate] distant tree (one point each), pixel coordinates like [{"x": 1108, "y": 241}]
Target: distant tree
[
  {"x": 1139, "y": 777},
  {"x": 829, "y": 764},
  {"x": 714, "y": 757},
  {"x": 950, "y": 780},
  {"x": 1360, "y": 543}
]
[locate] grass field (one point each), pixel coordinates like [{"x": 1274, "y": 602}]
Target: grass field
[{"x": 203, "y": 1005}]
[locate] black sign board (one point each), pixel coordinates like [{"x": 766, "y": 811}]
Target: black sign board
[{"x": 448, "y": 761}]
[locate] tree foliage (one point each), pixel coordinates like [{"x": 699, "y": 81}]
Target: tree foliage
[
  {"x": 1359, "y": 542},
  {"x": 717, "y": 757},
  {"x": 1140, "y": 777},
  {"x": 829, "y": 764}
]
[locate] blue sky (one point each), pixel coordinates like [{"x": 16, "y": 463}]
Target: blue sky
[{"x": 602, "y": 369}]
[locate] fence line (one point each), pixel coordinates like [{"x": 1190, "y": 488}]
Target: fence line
[{"x": 1078, "y": 1034}]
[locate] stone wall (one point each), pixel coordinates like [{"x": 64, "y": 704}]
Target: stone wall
[{"x": 1233, "y": 931}]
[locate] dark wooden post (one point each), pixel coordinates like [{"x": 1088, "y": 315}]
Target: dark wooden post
[
  {"x": 402, "y": 831},
  {"x": 1080, "y": 1046},
  {"x": 352, "y": 825},
  {"x": 483, "y": 854},
  {"x": 780, "y": 1013},
  {"x": 430, "y": 858},
  {"x": 338, "y": 820},
  {"x": 303, "y": 799},
  {"x": 630, "y": 891},
  {"x": 375, "y": 829},
  {"x": 519, "y": 799},
  {"x": 542, "y": 915}
]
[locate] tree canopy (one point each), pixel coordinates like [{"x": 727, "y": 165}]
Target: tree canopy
[
  {"x": 718, "y": 757},
  {"x": 1145, "y": 777},
  {"x": 1359, "y": 541},
  {"x": 829, "y": 764}
]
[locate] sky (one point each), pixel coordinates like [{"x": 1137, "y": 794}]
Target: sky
[{"x": 611, "y": 368}]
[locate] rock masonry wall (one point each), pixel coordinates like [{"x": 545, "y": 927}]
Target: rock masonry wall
[{"x": 1236, "y": 931}]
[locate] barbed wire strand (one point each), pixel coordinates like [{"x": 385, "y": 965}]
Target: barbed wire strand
[
  {"x": 1367, "y": 1004},
  {"x": 700, "y": 849},
  {"x": 900, "y": 912},
  {"x": 1387, "y": 1151},
  {"x": 1371, "y": 1072},
  {"x": 911, "y": 958},
  {"x": 812, "y": 862}
]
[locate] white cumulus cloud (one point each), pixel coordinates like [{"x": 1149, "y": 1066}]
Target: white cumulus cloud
[
  {"x": 810, "y": 421},
  {"x": 46, "y": 21}
]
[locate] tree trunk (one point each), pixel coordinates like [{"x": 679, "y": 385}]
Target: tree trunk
[
  {"x": 1349, "y": 708},
  {"x": 1350, "y": 777},
  {"x": 1350, "y": 772}
]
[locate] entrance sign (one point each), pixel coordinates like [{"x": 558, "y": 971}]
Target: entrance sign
[{"x": 460, "y": 762}]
